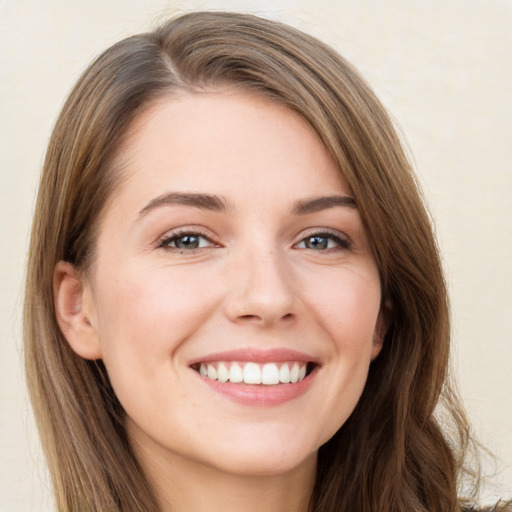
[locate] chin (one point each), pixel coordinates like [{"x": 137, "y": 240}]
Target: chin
[
  {"x": 264, "y": 454},
  {"x": 264, "y": 464}
]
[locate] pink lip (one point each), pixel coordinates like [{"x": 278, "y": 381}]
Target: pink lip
[
  {"x": 276, "y": 355},
  {"x": 259, "y": 395}
]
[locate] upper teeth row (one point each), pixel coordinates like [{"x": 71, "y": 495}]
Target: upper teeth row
[{"x": 254, "y": 373}]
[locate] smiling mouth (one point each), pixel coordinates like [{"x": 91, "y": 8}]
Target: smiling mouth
[{"x": 268, "y": 374}]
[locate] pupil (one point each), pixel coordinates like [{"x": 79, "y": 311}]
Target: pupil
[
  {"x": 316, "y": 242},
  {"x": 187, "y": 242}
]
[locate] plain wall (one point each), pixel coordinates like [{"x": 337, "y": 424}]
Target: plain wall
[{"x": 442, "y": 67}]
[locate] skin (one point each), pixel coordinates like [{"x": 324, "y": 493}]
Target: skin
[{"x": 149, "y": 310}]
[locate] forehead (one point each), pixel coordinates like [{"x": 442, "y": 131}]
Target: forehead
[{"x": 228, "y": 142}]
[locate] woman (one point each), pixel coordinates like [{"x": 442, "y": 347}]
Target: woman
[{"x": 234, "y": 297}]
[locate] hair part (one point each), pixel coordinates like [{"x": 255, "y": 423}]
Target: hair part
[{"x": 392, "y": 453}]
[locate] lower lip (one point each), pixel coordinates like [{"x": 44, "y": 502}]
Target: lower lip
[{"x": 261, "y": 394}]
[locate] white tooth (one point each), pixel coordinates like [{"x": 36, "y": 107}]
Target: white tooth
[
  {"x": 284, "y": 374},
  {"x": 270, "y": 374},
  {"x": 222, "y": 372},
  {"x": 212, "y": 372},
  {"x": 294, "y": 374},
  {"x": 202, "y": 370},
  {"x": 235, "y": 373},
  {"x": 252, "y": 373},
  {"x": 302, "y": 372}
]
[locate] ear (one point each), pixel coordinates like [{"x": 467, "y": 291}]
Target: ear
[
  {"x": 75, "y": 311},
  {"x": 381, "y": 328}
]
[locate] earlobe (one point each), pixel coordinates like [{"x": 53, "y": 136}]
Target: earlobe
[
  {"x": 74, "y": 308},
  {"x": 381, "y": 328}
]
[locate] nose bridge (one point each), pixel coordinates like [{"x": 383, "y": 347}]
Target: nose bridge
[{"x": 262, "y": 287}]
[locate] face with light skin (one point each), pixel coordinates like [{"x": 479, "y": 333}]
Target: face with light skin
[{"x": 233, "y": 231}]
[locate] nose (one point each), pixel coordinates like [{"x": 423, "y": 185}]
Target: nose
[{"x": 261, "y": 290}]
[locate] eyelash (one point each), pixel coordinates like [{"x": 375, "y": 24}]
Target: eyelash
[
  {"x": 342, "y": 243},
  {"x": 166, "y": 241}
]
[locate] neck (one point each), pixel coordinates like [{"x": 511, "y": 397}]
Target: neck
[{"x": 185, "y": 486}]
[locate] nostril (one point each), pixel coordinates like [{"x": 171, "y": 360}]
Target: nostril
[
  {"x": 264, "y": 318},
  {"x": 250, "y": 317}
]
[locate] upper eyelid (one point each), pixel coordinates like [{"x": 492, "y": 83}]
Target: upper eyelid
[
  {"x": 176, "y": 233},
  {"x": 324, "y": 231},
  {"x": 187, "y": 230},
  {"x": 198, "y": 230},
  {"x": 344, "y": 242}
]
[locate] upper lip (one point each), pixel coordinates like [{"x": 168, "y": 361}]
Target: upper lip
[{"x": 275, "y": 355}]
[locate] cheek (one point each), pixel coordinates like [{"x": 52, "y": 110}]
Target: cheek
[
  {"x": 351, "y": 320},
  {"x": 346, "y": 312},
  {"x": 144, "y": 317},
  {"x": 347, "y": 306}
]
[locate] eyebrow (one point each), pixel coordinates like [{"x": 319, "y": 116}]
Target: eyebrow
[
  {"x": 316, "y": 204},
  {"x": 219, "y": 204},
  {"x": 202, "y": 201}
]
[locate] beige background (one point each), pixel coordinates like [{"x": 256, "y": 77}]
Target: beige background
[{"x": 444, "y": 70}]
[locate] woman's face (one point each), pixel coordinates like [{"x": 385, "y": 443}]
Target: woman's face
[{"x": 232, "y": 253}]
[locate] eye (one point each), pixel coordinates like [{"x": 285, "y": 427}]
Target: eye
[
  {"x": 185, "y": 241},
  {"x": 323, "y": 241}
]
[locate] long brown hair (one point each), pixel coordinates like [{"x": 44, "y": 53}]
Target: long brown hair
[{"x": 392, "y": 454}]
